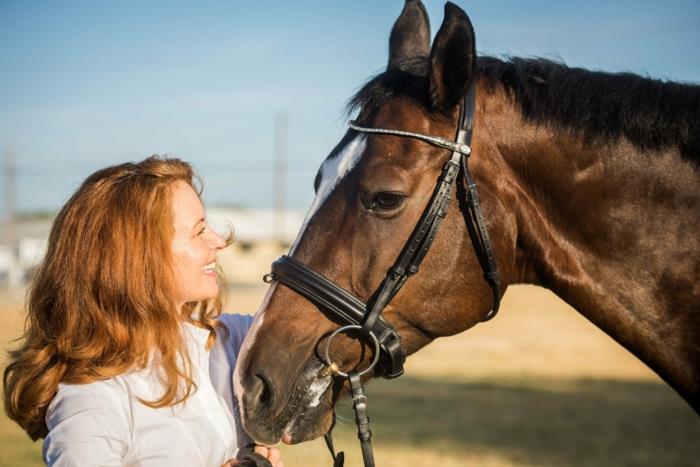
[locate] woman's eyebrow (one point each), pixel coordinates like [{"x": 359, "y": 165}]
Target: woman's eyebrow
[{"x": 198, "y": 222}]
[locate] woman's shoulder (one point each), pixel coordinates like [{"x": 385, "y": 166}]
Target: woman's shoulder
[
  {"x": 236, "y": 322},
  {"x": 110, "y": 394},
  {"x": 230, "y": 338},
  {"x": 112, "y": 389}
]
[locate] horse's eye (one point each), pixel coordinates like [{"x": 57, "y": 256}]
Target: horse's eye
[{"x": 386, "y": 201}]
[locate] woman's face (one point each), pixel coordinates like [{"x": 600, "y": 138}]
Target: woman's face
[{"x": 194, "y": 247}]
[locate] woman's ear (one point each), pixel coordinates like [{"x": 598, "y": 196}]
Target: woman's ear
[{"x": 452, "y": 59}]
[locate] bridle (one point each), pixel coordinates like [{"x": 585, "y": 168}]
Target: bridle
[{"x": 366, "y": 319}]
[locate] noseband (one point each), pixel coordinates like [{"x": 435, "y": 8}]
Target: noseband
[{"x": 365, "y": 318}]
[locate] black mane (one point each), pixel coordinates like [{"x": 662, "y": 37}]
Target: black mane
[{"x": 599, "y": 106}]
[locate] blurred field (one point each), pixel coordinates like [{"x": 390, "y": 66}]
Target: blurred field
[{"x": 538, "y": 386}]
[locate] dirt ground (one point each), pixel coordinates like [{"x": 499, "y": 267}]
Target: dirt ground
[{"x": 539, "y": 385}]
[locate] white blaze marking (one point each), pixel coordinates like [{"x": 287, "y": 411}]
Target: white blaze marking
[{"x": 332, "y": 172}]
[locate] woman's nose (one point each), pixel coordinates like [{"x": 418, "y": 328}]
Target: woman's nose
[{"x": 216, "y": 241}]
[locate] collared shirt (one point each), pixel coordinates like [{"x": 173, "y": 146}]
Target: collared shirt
[{"x": 104, "y": 424}]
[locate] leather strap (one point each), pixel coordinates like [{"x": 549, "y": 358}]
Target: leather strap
[
  {"x": 343, "y": 306},
  {"x": 247, "y": 457},
  {"x": 359, "y": 404},
  {"x": 485, "y": 254},
  {"x": 338, "y": 459},
  {"x": 421, "y": 239},
  {"x": 435, "y": 140},
  {"x": 410, "y": 259},
  {"x": 253, "y": 460}
]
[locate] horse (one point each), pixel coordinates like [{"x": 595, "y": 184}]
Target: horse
[{"x": 588, "y": 185}]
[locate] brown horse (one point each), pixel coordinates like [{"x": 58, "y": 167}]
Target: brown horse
[{"x": 590, "y": 186}]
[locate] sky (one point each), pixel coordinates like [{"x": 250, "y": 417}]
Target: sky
[{"x": 86, "y": 84}]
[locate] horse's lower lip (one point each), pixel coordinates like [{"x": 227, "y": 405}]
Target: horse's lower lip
[{"x": 297, "y": 412}]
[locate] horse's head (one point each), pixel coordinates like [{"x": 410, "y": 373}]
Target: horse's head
[{"x": 370, "y": 192}]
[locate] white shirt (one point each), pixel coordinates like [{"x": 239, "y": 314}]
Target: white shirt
[{"x": 104, "y": 424}]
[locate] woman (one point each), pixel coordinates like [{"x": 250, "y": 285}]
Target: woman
[{"x": 124, "y": 361}]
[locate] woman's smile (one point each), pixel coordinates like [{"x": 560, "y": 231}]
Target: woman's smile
[
  {"x": 210, "y": 269},
  {"x": 194, "y": 247}
]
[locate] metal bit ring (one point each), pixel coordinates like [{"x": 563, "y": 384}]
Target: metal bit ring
[{"x": 347, "y": 328}]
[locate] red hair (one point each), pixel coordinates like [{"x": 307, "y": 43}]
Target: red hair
[{"x": 103, "y": 299}]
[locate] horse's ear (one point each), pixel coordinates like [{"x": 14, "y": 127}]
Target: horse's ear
[
  {"x": 452, "y": 59},
  {"x": 410, "y": 36}
]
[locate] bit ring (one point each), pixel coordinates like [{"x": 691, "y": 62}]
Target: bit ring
[{"x": 347, "y": 328}]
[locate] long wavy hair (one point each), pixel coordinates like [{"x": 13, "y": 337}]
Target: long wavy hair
[{"x": 103, "y": 301}]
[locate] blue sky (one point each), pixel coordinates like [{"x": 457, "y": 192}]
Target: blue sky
[{"x": 84, "y": 84}]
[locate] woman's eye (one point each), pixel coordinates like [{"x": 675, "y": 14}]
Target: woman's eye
[
  {"x": 202, "y": 230},
  {"x": 386, "y": 201}
]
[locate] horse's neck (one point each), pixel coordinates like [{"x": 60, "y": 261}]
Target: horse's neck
[{"x": 614, "y": 232}]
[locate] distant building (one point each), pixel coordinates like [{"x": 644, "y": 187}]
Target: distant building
[
  {"x": 256, "y": 225},
  {"x": 261, "y": 235},
  {"x": 22, "y": 247},
  {"x": 7, "y": 264}
]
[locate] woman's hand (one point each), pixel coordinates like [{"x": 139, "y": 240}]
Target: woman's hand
[{"x": 272, "y": 455}]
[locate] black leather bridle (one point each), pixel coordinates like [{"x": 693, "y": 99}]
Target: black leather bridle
[{"x": 366, "y": 318}]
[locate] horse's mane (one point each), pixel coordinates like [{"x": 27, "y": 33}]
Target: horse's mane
[{"x": 599, "y": 106}]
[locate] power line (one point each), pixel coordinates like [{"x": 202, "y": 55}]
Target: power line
[{"x": 280, "y": 170}]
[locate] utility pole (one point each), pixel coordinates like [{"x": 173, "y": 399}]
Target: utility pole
[
  {"x": 280, "y": 178},
  {"x": 9, "y": 227},
  {"x": 10, "y": 186}
]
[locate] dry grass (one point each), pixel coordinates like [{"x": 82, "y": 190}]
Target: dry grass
[
  {"x": 16, "y": 448},
  {"x": 537, "y": 386}
]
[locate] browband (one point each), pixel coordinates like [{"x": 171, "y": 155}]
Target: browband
[{"x": 435, "y": 140}]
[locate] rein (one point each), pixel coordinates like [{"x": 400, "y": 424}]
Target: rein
[{"x": 366, "y": 319}]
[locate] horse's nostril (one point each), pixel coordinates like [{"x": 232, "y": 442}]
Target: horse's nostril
[{"x": 260, "y": 392}]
